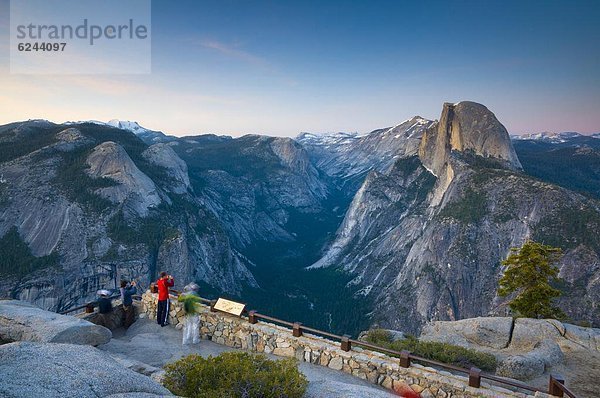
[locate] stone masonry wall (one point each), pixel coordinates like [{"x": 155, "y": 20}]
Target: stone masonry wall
[
  {"x": 114, "y": 319},
  {"x": 369, "y": 365}
]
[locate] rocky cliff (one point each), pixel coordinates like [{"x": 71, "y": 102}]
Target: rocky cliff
[
  {"x": 347, "y": 158},
  {"x": 467, "y": 128},
  {"x": 133, "y": 189},
  {"x": 465, "y": 131},
  {"x": 407, "y": 223},
  {"x": 88, "y": 204},
  {"x": 425, "y": 239},
  {"x": 85, "y": 204}
]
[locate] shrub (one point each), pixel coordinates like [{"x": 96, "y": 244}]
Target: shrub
[
  {"x": 380, "y": 335},
  {"x": 235, "y": 374},
  {"x": 442, "y": 352}
]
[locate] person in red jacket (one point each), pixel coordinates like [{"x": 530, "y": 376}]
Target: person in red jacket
[{"x": 164, "y": 283}]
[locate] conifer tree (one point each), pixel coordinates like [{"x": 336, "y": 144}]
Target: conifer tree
[{"x": 530, "y": 271}]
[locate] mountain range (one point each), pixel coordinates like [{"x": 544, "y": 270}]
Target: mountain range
[{"x": 399, "y": 226}]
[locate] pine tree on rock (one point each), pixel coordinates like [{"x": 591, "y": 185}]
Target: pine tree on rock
[{"x": 530, "y": 271}]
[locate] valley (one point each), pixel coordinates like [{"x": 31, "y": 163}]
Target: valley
[{"x": 393, "y": 228}]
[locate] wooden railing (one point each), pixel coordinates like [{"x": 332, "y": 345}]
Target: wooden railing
[
  {"x": 89, "y": 307},
  {"x": 556, "y": 385}
]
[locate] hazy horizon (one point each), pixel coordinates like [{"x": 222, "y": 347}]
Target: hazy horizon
[
  {"x": 194, "y": 134},
  {"x": 278, "y": 69}
]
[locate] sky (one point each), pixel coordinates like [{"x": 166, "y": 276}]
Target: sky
[{"x": 285, "y": 67}]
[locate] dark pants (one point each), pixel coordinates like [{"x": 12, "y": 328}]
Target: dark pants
[
  {"x": 162, "y": 312},
  {"x": 103, "y": 320},
  {"x": 128, "y": 315}
]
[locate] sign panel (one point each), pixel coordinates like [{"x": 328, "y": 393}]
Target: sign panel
[{"x": 230, "y": 307}]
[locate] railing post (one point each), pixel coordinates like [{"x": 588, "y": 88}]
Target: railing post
[
  {"x": 297, "y": 329},
  {"x": 405, "y": 359},
  {"x": 89, "y": 308},
  {"x": 252, "y": 317},
  {"x": 212, "y": 305},
  {"x": 554, "y": 387},
  {"x": 475, "y": 377},
  {"x": 346, "y": 345}
]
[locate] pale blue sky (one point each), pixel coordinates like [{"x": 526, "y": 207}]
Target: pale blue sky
[{"x": 278, "y": 68}]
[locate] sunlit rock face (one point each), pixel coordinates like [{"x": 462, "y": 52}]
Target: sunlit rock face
[
  {"x": 470, "y": 128},
  {"x": 465, "y": 132},
  {"x": 110, "y": 160},
  {"x": 425, "y": 238},
  {"x": 417, "y": 216}
]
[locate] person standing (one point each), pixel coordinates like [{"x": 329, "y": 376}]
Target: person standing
[
  {"x": 191, "y": 323},
  {"x": 164, "y": 283},
  {"x": 127, "y": 291}
]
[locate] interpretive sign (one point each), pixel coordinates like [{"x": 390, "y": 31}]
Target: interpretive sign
[{"x": 230, "y": 307}]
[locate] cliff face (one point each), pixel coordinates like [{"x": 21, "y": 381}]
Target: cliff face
[
  {"x": 162, "y": 155},
  {"x": 253, "y": 184},
  {"x": 132, "y": 187},
  {"x": 417, "y": 217},
  {"x": 471, "y": 129},
  {"x": 346, "y": 159},
  {"x": 425, "y": 239},
  {"x": 465, "y": 132},
  {"x": 90, "y": 205}
]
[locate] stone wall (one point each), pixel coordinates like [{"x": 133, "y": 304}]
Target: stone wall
[
  {"x": 372, "y": 366},
  {"x": 114, "y": 319}
]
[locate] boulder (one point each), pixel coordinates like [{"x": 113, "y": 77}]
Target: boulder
[
  {"x": 532, "y": 347},
  {"x": 545, "y": 354},
  {"x": 549, "y": 352},
  {"x": 528, "y": 332},
  {"x": 586, "y": 337},
  {"x": 520, "y": 367},
  {"x": 112, "y": 321},
  {"x": 490, "y": 332},
  {"x": 21, "y": 321},
  {"x": 60, "y": 370}
]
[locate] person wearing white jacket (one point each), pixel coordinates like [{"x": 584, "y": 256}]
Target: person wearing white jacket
[{"x": 191, "y": 322}]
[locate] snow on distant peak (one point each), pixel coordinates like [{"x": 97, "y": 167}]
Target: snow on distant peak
[
  {"x": 547, "y": 136},
  {"x": 127, "y": 125},
  {"x": 326, "y": 138},
  {"x": 146, "y": 135},
  {"x": 409, "y": 128},
  {"x": 120, "y": 124},
  {"x": 84, "y": 121}
]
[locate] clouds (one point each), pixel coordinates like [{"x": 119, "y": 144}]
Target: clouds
[
  {"x": 236, "y": 53},
  {"x": 235, "y": 68}
]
